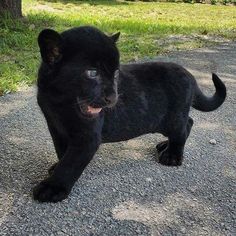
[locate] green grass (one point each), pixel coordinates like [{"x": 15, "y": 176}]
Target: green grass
[{"x": 141, "y": 25}]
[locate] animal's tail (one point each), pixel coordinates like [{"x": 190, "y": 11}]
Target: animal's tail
[{"x": 204, "y": 103}]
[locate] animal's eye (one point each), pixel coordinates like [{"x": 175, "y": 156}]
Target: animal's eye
[
  {"x": 116, "y": 74},
  {"x": 92, "y": 73}
]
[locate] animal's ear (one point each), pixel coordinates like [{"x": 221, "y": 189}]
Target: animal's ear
[
  {"x": 50, "y": 44},
  {"x": 115, "y": 37}
]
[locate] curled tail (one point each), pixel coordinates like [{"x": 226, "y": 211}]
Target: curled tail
[{"x": 204, "y": 103}]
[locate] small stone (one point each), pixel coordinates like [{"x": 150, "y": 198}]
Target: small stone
[
  {"x": 212, "y": 141},
  {"x": 149, "y": 179},
  {"x": 83, "y": 212},
  {"x": 183, "y": 230},
  {"x": 193, "y": 189}
]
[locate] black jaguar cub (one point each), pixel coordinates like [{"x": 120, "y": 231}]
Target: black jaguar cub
[{"x": 88, "y": 98}]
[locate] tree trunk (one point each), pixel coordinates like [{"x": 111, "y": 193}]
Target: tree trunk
[{"x": 13, "y": 7}]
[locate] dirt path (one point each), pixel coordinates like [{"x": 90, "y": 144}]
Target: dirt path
[{"x": 124, "y": 191}]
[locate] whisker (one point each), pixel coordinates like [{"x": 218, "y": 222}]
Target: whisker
[{"x": 84, "y": 100}]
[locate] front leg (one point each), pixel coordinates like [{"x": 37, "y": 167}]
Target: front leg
[
  {"x": 59, "y": 139},
  {"x": 60, "y": 144},
  {"x": 58, "y": 186}
]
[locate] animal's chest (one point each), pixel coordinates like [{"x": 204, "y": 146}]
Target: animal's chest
[{"x": 128, "y": 121}]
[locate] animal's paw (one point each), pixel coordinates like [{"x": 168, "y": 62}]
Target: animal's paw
[
  {"x": 48, "y": 191},
  {"x": 162, "y": 146},
  {"x": 168, "y": 160},
  {"x": 51, "y": 169}
]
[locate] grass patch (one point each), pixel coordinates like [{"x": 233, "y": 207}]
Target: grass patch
[{"x": 141, "y": 24}]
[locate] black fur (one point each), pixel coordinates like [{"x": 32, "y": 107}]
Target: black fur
[{"x": 153, "y": 97}]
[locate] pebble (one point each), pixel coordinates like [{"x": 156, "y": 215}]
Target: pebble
[
  {"x": 149, "y": 179},
  {"x": 212, "y": 141}
]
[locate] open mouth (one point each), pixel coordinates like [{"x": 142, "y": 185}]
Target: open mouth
[{"x": 89, "y": 110}]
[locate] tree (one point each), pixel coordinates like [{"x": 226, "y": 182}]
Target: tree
[{"x": 13, "y": 7}]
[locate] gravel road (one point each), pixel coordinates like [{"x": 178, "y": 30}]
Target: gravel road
[{"x": 124, "y": 191}]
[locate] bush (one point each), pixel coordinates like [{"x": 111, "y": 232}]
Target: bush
[
  {"x": 225, "y": 2},
  {"x": 188, "y": 1},
  {"x": 213, "y": 2}
]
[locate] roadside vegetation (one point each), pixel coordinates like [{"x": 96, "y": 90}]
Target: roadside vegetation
[{"x": 147, "y": 29}]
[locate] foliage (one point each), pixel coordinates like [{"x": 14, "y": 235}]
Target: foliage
[
  {"x": 213, "y": 2},
  {"x": 141, "y": 25}
]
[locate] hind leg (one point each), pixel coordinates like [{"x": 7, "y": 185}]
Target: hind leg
[
  {"x": 51, "y": 169},
  {"x": 162, "y": 146},
  {"x": 171, "y": 150}
]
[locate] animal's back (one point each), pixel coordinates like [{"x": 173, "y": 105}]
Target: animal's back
[{"x": 147, "y": 91}]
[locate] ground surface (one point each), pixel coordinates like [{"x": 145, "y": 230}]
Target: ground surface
[{"x": 124, "y": 191}]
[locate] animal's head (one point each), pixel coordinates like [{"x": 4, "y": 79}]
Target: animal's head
[{"x": 84, "y": 64}]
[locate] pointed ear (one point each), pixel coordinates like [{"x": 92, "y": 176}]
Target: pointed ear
[
  {"x": 50, "y": 44},
  {"x": 115, "y": 37}
]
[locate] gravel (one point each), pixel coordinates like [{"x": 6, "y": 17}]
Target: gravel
[{"x": 124, "y": 191}]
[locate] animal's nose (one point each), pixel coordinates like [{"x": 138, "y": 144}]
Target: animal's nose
[{"x": 111, "y": 98}]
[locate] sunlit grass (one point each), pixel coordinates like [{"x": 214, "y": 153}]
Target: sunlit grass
[{"x": 141, "y": 25}]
